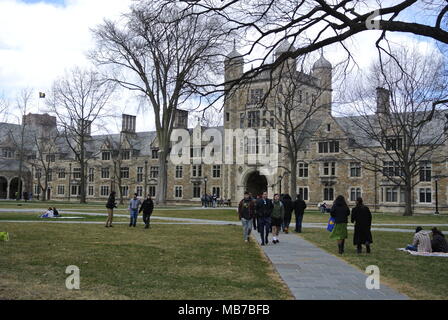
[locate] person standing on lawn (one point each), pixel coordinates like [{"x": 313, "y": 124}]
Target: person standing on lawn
[
  {"x": 264, "y": 208},
  {"x": 277, "y": 216},
  {"x": 299, "y": 210},
  {"x": 133, "y": 210},
  {"x": 340, "y": 212},
  {"x": 362, "y": 218},
  {"x": 246, "y": 212},
  {"x": 289, "y": 207},
  {"x": 110, "y": 205},
  {"x": 147, "y": 207}
]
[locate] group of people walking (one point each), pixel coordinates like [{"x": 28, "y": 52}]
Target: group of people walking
[
  {"x": 136, "y": 206},
  {"x": 269, "y": 215}
]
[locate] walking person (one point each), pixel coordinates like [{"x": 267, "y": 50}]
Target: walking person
[
  {"x": 254, "y": 220},
  {"x": 110, "y": 205},
  {"x": 246, "y": 213},
  {"x": 277, "y": 216},
  {"x": 264, "y": 208},
  {"x": 362, "y": 218},
  {"x": 147, "y": 207},
  {"x": 289, "y": 207},
  {"x": 133, "y": 210},
  {"x": 299, "y": 210},
  {"x": 340, "y": 212}
]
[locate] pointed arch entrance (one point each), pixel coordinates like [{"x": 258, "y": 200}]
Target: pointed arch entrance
[
  {"x": 14, "y": 187},
  {"x": 256, "y": 183}
]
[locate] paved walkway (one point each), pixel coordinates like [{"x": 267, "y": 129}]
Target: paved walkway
[{"x": 313, "y": 274}]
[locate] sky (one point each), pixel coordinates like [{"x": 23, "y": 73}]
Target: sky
[{"x": 41, "y": 39}]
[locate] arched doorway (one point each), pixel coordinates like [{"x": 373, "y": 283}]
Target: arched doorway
[
  {"x": 14, "y": 187},
  {"x": 256, "y": 183},
  {"x": 3, "y": 188}
]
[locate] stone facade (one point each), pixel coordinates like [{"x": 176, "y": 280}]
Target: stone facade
[{"x": 321, "y": 176}]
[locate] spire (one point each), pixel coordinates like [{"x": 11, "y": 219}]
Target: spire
[
  {"x": 322, "y": 62},
  {"x": 234, "y": 54}
]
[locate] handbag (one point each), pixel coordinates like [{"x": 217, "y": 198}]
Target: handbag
[
  {"x": 330, "y": 225},
  {"x": 4, "y": 236}
]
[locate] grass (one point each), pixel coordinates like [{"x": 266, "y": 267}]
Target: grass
[
  {"x": 165, "y": 262},
  {"x": 417, "y": 277}
]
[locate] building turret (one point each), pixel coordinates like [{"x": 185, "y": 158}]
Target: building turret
[
  {"x": 234, "y": 65},
  {"x": 290, "y": 63},
  {"x": 322, "y": 70}
]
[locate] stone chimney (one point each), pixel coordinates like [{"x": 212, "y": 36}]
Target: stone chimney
[
  {"x": 382, "y": 100},
  {"x": 128, "y": 123}
]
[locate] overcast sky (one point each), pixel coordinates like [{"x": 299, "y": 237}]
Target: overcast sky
[{"x": 39, "y": 40}]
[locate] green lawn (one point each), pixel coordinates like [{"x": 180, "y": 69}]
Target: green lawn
[
  {"x": 164, "y": 262},
  {"x": 417, "y": 277}
]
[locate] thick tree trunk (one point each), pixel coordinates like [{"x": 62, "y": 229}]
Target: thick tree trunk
[
  {"x": 408, "y": 200},
  {"x": 162, "y": 181},
  {"x": 293, "y": 179}
]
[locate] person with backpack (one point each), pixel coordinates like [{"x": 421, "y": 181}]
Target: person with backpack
[
  {"x": 147, "y": 207},
  {"x": 110, "y": 205},
  {"x": 264, "y": 208},
  {"x": 340, "y": 212},
  {"x": 277, "y": 216},
  {"x": 246, "y": 212}
]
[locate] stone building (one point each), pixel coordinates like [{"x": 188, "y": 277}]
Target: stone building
[{"x": 128, "y": 161}]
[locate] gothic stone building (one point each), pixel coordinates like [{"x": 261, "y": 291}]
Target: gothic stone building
[{"x": 128, "y": 161}]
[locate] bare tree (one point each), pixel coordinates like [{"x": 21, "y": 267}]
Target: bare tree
[
  {"x": 409, "y": 124},
  {"x": 315, "y": 24},
  {"x": 166, "y": 63},
  {"x": 77, "y": 100}
]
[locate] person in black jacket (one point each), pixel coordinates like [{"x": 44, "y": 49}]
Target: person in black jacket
[
  {"x": 110, "y": 205},
  {"x": 288, "y": 208},
  {"x": 147, "y": 207},
  {"x": 263, "y": 208},
  {"x": 362, "y": 218},
  {"x": 438, "y": 242},
  {"x": 340, "y": 212},
  {"x": 299, "y": 210}
]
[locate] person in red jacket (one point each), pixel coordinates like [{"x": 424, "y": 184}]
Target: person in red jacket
[{"x": 246, "y": 212}]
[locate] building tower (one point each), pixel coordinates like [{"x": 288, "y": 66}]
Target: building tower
[{"x": 322, "y": 70}]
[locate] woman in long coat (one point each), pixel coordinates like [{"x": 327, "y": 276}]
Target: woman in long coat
[{"x": 362, "y": 217}]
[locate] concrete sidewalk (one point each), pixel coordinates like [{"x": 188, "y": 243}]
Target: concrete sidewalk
[{"x": 313, "y": 274}]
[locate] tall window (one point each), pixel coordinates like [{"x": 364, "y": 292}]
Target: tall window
[
  {"x": 425, "y": 171},
  {"x": 329, "y": 169},
  {"x": 61, "y": 173},
  {"x": 125, "y": 191},
  {"x": 179, "y": 171},
  {"x": 425, "y": 195},
  {"x": 50, "y": 158},
  {"x": 124, "y": 172},
  {"x": 154, "y": 172},
  {"x": 104, "y": 191},
  {"x": 125, "y": 155},
  {"x": 242, "y": 117},
  {"x": 155, "y": 153},
  {"x": 196, "y": 170},
  {"x": 253, "y": 119},
  {"x": 303, "y": 170},
  {"x": 139, "y": 191},
  {"x": 38, "y": 173},
  {"x": 303, "y": 192},
  {"x": 152, "y": 191},
  {"x": 139, "y": 174},
  {"x": 105, "y": 155},
  {"x": 328, "y": 147},
  {"x": 50, "y": 174},
  {"x": 328, "y": 194},
  {"x": 256, "y": 96},
  {"x": 90, "y": 191},
  {"x": 216, "y": 171},
  {"x": 391, "y": 194},
  {"x": 216, "y": 191},
  {"x": 355, "y": 169},
  {"x": 75, "y": 190},
  {"x": 91, "y": 174},
  {"x": 104, "y": 173},
  {"x": 76, "y": 173},
  {"x": 178, "y": 191},
  {"x": 196, "y": 191},
  {"x": 355, "y": 193},
  {"x": 61, "y": 190}
]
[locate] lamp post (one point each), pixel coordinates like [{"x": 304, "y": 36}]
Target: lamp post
[
  {"x": 205, "y": 180},
  {"x": 146, "y": 177},
  {"x": 69, "y": 180},
  {"x": 280, "y": 178},
  {"x": 437, "y": 195}
]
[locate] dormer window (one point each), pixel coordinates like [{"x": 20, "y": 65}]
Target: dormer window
[
  {"x": 328, "y": 127},
  {"x": 394, "y": 143},
  {"x": 8, "y": 153},
  {"x": 125, "y": 155},
  {"x": 105, "y": 155},
  {"x": 256, "y": 96},
  {"x": 329, "y": 147}
]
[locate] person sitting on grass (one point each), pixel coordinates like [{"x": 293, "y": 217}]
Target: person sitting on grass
[
  {"x": 438, "y": 242},
  {"x": 421, "y": 242},
  {"x": 48, "y": 213},
  {"x": 56, "y": 212}
]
